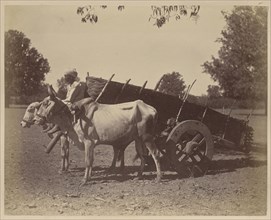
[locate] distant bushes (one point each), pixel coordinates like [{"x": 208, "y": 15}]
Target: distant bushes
[
  {"x": 222, "y": 102},
  {"x": 26, "y": 100},
  {"x": 216, "y": 103}
]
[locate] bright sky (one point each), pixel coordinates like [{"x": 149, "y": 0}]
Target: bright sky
[{"x": 124, "y": 43}]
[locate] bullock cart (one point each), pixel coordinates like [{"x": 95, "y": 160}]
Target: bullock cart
[{"x": 187, "y": 133}]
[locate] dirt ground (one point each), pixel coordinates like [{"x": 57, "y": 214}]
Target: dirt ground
[{"x": 235, "y": 185}]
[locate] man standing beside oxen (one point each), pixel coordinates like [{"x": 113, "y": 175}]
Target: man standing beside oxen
[{"x": 75, "y": 90}]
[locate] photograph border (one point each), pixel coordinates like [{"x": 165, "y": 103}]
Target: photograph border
[{"x": 140, "y": 2}]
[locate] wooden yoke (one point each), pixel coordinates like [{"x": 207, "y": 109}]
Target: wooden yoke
[{"x": 53, "y": 142}]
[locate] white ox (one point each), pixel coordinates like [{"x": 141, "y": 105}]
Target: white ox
[
  {"x": 103, "y": 124},
  {"x": 28, "y": 121},
  {"x": 28, "y": 118}
]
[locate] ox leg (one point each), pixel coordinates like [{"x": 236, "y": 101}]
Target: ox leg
[
  {"x": 116, "y": 153},
  {"x": 121, "y": 156},
  {"x": 140, "y": 153},
  {"x": 89, "y": 157},
  {"x": 64, "y": 146},
  {"x": 67, "y": 153},
  {"x": 155, "y": 155}
]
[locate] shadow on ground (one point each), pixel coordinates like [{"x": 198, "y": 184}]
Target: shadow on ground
[{"x": 129, "y": 173}]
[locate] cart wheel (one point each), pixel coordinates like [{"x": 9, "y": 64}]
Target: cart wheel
[{"x": 191, "y": 148}]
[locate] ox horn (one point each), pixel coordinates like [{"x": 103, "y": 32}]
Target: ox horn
[{"x": 51, "y": 92}]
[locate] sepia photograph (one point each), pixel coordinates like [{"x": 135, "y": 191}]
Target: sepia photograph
[{"x": 135, "y": 110}]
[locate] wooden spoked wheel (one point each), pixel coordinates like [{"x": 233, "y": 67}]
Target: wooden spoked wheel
[{"x": 190, "y": 147}]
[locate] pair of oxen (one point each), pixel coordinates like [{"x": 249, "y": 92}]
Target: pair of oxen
[{"x": 117, "y": 125}]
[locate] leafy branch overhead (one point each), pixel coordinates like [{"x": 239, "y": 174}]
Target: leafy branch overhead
[
  {"x": 163, "y": 14},
  {"x": 160, "y": 14},
  {"x": 89, "y": 12}
]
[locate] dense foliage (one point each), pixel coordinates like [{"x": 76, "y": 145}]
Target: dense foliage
[
  {"x": 213, "y": 91},
  {"x": 172, "y": 84},
  {"x": 159, "y": 14},
  {"x": 25, "y": 67},
  {"x": 241, "y": 65}
]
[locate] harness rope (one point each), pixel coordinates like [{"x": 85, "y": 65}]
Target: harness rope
[
  {"x": 29, "y": 122},
  {"x": 61, "y": 109}
]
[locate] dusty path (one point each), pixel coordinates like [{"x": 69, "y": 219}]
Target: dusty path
[{"x": 235, "y": 185}]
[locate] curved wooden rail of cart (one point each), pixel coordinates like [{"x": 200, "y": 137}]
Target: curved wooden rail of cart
[{"x": 187, "y": 142}]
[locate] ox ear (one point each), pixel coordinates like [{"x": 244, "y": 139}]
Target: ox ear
[{"x": 51, "y": 92}]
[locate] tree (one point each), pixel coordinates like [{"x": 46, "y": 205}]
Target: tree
[
  {"x": 172, "y": 84},
  {"x": 213, "y": 91},
  {"x": 160, "y": 14},
  {"x": 25, "y": 67},
  {"x": 241, "y": 66}
]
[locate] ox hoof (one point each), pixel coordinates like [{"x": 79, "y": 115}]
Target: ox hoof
[
  {"x": 111, "y": 170},
  {"x": 138, "y": 178},
  {"x": 61, "y": 171},
  {"x": 158, "y": 179},
  {"x": 83, "y": 183}
]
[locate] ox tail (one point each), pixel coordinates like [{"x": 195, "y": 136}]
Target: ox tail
[
  {"x": 148, "y": 131},
  {"x": 145, "y": 153},
  {"x": 135, "y": 157},
  {"x": 150, "y": 120}
]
